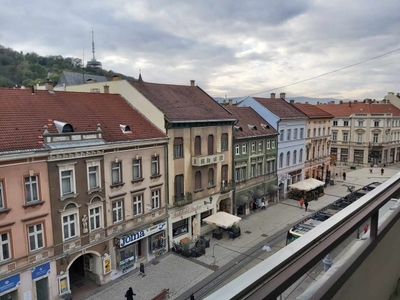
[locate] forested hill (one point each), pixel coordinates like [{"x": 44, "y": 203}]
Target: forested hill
[{"x": 17, "y": 68}]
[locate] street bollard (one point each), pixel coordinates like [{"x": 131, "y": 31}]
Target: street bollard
[{"x": 327, "y": 262}]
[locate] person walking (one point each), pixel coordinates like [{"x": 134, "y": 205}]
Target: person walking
[
  {"x": 192, "y": 297},
  {"x": 306, "y": 204},
  {"x": 301, "y": 202},
  {"x": 263, "y": 205},
  {"x": 129, "y": 294},
  {"x": 382, "y": 171},
  {"x": 366, "y": 227},
  {"x": 344, "y": 176}
]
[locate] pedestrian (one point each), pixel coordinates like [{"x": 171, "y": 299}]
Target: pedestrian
[
  {"x": 382, "y": 171},
  {"x": 344, "y": 176},
  {"x": 306, "y": 204},
  {"x": 192, "y": 296},
  {"x": 370, "y": 171},
  {"x": 141, "y": 269},
  {"x": 366, "y": 227},
  {"x": 301, "y": 202},
  {"x": 263, "y": 205},
  {"x": 129, "y": 294}
]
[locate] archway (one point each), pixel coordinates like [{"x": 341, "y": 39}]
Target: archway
[{"x": 83, "y": 273}]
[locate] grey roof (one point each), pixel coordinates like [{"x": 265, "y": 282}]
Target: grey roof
[
  {"x": 73, "y": 78},
  {"x": 62, "y": 145}
]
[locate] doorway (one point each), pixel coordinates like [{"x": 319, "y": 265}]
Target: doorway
[
  {"x": 82, "y": 276},
  {"x": 42, "y": 289}
]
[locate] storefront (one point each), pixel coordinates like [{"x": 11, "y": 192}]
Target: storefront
[
  {"x": 358, "y": 157},
  {"x": 40, "y": 279},
  {"x": 9, "y": 287},
  {"x": 147, "y": 243}
]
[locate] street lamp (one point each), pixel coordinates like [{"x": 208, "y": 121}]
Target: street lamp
[{"x": 210, "y": 199}]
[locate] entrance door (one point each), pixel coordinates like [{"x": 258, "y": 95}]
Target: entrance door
[{"x": 42, "y": 289}]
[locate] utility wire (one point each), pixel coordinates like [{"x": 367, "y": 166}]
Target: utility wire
[{"x": 327, "y": 73}]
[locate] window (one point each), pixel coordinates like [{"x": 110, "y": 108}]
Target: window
[
  {"x": 178, "y": 186},
  {"x": 138, "y": 205},
  {"x": 210, "y": 177},
  {"x": 319, "y": 131},
  {"x": 253, "y": 171},
  {"x": 360, "y": 123},
  {"x": 294, "y": 157},
  {"x": 323, "y": 131},
  {"x": 67, "y": 180},
  {"x": 335, "y": 123},
  {"x": 178, "y": 147},
  {"x": 281, "y": 160},
  {"x": 2, "y": 202},
  {"x": 301, "y": 133},
  {"x": 281, "y": 133},
  {"x": 288, "y": 158},
  {"x": 376, "y": 123},
  {"x": 224, "y": 174},
  {"x": 224, "y": 142},
  {"x": 268, "y": 145},
  {"x": 329, "y": 130},
  {"x": 314, "y": 132},
  {"x": 260, "y": 146},
  {"x": 116, "y": 172},
  {"x": 289, "y": 135},
  {"x": 359, "y": 137},
  {"x": 244, "y": 148},
  {"x": 259, "y": 168},
  {"x": 346, "y": 123},
  {"x": 93, "y": 177},
  {"x": 95, "y": 218},
  {"x": 308, "y": 132},
  {"x": 117, "y": 210},
  {"x": 375, "y": 138},
  {"x": 301, "y": 156},
  {"x": 345, "y": 136},
  {"x": 70, "y": 226},
  {"x": 210, "y": 144},
  {"x": 31, "y": 189},
  {"x": 197, "y": 180},
  {"x": 253, "y": 147},
  {"x": 237, "y": 175},
  {"x": 5, "y": 252},
  {"x": 155, "y": 166},
  {"x": 273, "y": 145},
  {"x": 244, "y": 173},
  {"x": 180, "y": 227},
  {"x": 197, "y": 145},
  {"x": 137, "y": 168},
  {"x": 36, "y": 237},
  {"x": 334, "y": 135},
  {"x": 295, "y": 134},
  {"x": 155, "y": 199},
  {"x": 237, "y": 150}
]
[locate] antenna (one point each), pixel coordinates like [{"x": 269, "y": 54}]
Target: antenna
[
  {"x": 93, "y": 45},
  {"x": 93, "y": 63}
]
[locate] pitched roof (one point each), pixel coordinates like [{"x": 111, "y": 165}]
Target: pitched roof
[
  {"x": 281, "y": 108},
  {"x": 24, "y": 116},
  {"x": 74, "y": 78},
  {"x": 182, "y": 103},
  {"x": 312, "y": 111},
  {"x": 346, "y": 109},
  {"x": 250, "y": 123}
]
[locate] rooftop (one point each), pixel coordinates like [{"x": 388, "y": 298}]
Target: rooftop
[
  {"x": 312, "y": 111},
  {"x": 351, "y": 108},
  {"x": 281, "y": 108}
]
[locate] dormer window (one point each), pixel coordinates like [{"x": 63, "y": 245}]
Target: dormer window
[
  {"x": 237, "y": 128},
  {"x": 125, "y": 128},
  {"x": 265, "y": 126},
  {"x": 63, "y": 127},
  {"x": 252, "y": 127}
]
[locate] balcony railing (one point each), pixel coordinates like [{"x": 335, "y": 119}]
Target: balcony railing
[
  {"x": 227, "y": 186},
  {"x": 183, "y": 200},
  {"x": 204, "y": 160}
]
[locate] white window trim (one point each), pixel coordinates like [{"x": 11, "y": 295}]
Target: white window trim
[
  {"x": 35, "y": 234},
  {"x": 98, "y": 174},
  {"x": 100, "y": 214},
  {"x": 155, "y": 160},
  {"x": 268, "y": 145},
  {"x": 260, "y": 146},
  {"x": 137, "y": 203},
  {"x": 273, "y": 145},
  {"x": 74, "y": 211},
  {"x": 237, "y": 150},
  {"x": 68, "y": 167},
  {"x": 9, "y": 247},
  {"x": 244, "y": 148},
  {"x": 137, "y": 163},
  {"x": 30, "y": 183},
  {"x": 156, "y": 199},
  {"x": 2, "y": 200},
  {"x": 118, "y": 208}
]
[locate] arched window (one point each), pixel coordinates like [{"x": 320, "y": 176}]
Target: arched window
[
  {"x": 210, "y": 177},
  {"x": 301, "y": 156},
  {"x": 288, "y": 158},
  {"x": 197, "y": 145},
  {"x": 294, "y": 157},
  {"x": 210, "y": 144},
  {"x": 197, "y": 181},
  {"x": 281, "y": 160}
]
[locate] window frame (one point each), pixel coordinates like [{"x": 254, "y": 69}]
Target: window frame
[
  {"x": 30, "y": 183},
  {"x": 224, "y": 142},
  {"x": 301, "y": 133},
  {"x": 253, "y": 147},
  {"x": 334, "y": 123},
  {"x": 97, "y": 173},
  {"x": 138, "y": 204},
  {"x": 117, "y": 211},
  {"x": 35, "y": 235},
  {"x": 273, "y": 144},
  {"x": 137, "y": 173},
  {"x": 281, "y": 135},
  {"x": 237, "y": 150},
  {"x": 197, "y": 180},
  {"x": 345, "y": 136},
  {"x": 268, "y": 145},
  {"x": 97, "y": 216},
  {"x": 2, "y": 194},
  {"x": 116, "y": 166},
  {"x": 244, "y": 148},
  {"x": 8, "y": 243},
  {"x": 156, "y": 199},
  {"x": 155, "y": 165},
  {"x": 288, "y": 158},
  {"x": 210, "y": 178},
  {"x": 197, "y": 145},
  {"x": 260, "y": 146},
  {"x": 178, "y": 147},
  {"x": 69, "y": 213},
  {"x": 64, "y": 168}
]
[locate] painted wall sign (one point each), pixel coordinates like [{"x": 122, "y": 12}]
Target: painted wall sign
[
  {"x": 10, "y": 283},
  {"x": 133, "y": 237},
  {"x": 40, "y": 271},
  {"x": 106, "y": 264},
  {"x": 186, "y": 210}
]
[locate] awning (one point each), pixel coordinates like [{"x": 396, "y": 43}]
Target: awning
[
  {"x": 258, "y": 194},
  {"x": 242, "y": 200},
  {"x": 222, "y": 219},
  {"x": 272, "y": 189},
  {"x": 307, "y": 185}
]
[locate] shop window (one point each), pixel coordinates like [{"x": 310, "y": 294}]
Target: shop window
[
  {"x": 179, "y": 228},
  {"x": 205, "y": 215},
  {"x": 126, "y": 257},
  {"x": 157, "y": 242}
]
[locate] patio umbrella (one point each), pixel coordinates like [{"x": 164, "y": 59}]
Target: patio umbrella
[{"x": 222, "y": 219}]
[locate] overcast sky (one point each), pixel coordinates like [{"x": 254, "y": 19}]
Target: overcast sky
[{"x": 233, "y": 48}]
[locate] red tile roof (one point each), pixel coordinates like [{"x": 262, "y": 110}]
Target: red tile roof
[
  {"x": 312, "y": 111},
  {"x": 182, "y": 103},
  {"x": 23, "y": 116},
  {"x": 247, "y": 116},
  {"x": 346, "y": 110},
  {"x": 281, "y": 108}
]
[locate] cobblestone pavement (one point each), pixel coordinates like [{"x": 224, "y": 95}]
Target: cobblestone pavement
[{"x": 180, "y": 274}]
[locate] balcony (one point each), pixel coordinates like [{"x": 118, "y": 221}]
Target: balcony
[
  {"x": 227, "y": 186},
  {"x": 204, "y": 160},
  {"x": 183, "y": 200}
]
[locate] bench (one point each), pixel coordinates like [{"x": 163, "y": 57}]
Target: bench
[
  {"x": 162, "y": 295},
  {"x": 185, "y": 240}
]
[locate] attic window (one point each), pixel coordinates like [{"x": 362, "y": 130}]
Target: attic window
[
  {"x": 237, "y": 128},
  {"x": 265, "y": 126},
  {"x": 252, "y": 127},
  {"x": 125, "y": 128},
  {"x": 63, "y": 127}
]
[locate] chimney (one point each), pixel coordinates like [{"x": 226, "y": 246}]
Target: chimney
[
  {"x": 192, "y": 82},
  {"x": 291, "y": 101},
  {"x": 317, "y": 102},
  {"x": 283, "y": 95},
  {"x": 48, "y": 85},
  {"x": 341, "y": 101},
  {"x": 33, "y": 89},
  {"x": 273, "y": 95},
  {"x": 106, "y": 89},
  {"x": 349, "y": 104},
  {"x": 116, "y": 78},
  {"x": 230, "y": 102}
]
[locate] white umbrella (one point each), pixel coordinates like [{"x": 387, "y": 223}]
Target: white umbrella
[
  {"x": 195, "y": 229},
  {"x": 222, "y": 219}
]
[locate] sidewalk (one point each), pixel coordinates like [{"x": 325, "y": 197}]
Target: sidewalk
[{"x": 181, "y": 275}]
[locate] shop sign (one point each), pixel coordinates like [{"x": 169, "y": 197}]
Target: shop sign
[
  {"x": 40, "y": 271},
  {"x": 133, "y": 237},
  {"x": 9, "y": 283},
  {"x": 106, "y": 264}
]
